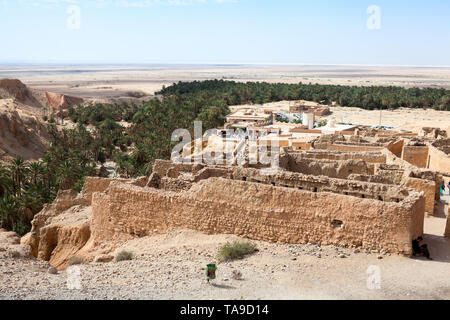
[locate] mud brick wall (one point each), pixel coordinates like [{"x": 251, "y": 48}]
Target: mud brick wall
[
  {"x": 416, "y": 155},
  {"x": 260, "y": 212}
]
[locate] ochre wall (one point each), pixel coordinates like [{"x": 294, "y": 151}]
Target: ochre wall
[
  {"x": 259, "y": 212},
  {"x": 396, "y": 147},
  {"x": 438, "y": 160},
  {"x": 417, "y": 156},
  {"x": 428, "y": 187},
  {"x": 329, "y": 168},
  {"x": 352, "y": 148},
  {"x": 369, "y": 157}
]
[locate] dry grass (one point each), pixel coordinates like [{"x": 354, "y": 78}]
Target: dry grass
[
  {"x": 124, "y": 256},
  {"x": 236, "y": 250},
  {"x": 75, "y": 260}
]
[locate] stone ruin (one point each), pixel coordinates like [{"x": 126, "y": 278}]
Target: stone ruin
[{"x": 368, "y": 198}]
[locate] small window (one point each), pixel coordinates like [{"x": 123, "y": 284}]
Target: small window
[
  {"x": 244, "y": 179},
  {"x": 337, "y": 223}
]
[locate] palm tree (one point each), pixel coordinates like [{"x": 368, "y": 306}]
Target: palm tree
[
  {"x": 5, "y": 181},
  {"x": 68, "y": 174},
  {"x": 36, "y": 170},
  {"x": 18, "y": 171},
  {"x": 8, "y": 211}
]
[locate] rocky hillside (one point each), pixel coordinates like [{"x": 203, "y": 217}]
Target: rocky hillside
[
  {"x": 22, "y": 130},
  {"x": 21, "y": 135},
  {"x": 20, "y": 94}
]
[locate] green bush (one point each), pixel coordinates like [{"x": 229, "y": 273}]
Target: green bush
[
  {"x": 21, "y": 228},
  {"x": 79, "y": 185},
  {"x": 16, "y": 254},
  {"x": 236, "y": 250},
  {"x": 124, "y": 256}
]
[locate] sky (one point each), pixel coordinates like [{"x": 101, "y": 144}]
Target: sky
[{"x": 347, "y": 32}]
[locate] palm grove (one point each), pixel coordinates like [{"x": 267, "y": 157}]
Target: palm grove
[{"x": 99, "y": 135}]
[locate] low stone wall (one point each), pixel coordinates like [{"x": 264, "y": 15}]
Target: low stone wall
[
  {"x": 369, "y": 157},
  {"x": 381, "y": 192},
  {"x": 396, "y": 147},
  {"x": 260, "y": 212},
  {"x": 438, "y": 160},
  {"x": 94, "y": 184},
  {"x": 350, "y": 148},
  {"x": 313, "y": 183},
  {"x": 428, "y": 187},
  {"x": 416, "y": 155},
  {"x": 172, "y": 170},
  {"x": 329, "y": 168}
]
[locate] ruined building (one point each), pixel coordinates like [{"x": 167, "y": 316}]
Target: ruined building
[{"x": 365, "y": 191}]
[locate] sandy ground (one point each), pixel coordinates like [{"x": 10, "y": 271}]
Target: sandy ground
[
  {"x": 406, "y": 119},
  {"x": 401, "y": 119},
  {"x": 100, "y": 81},
  {"x": 171, "y": 266}
]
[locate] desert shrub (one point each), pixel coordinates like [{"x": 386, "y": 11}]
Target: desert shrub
[
  {"x": 79, "y": 185},
  {"x": 124, "y": 256},
  {"x": 136, "y": 94},
  {"x": 236, "y": 250},
  {"x": 75, "y": 260},
  {"x": 15, "y": 254},
  {"x": 236, "y": 275}
]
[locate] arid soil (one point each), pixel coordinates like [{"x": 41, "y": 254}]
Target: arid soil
[
  {"x": 102, "y": 81},
  {"x": 171, "y": 266},
  {"x": 401, "y": 119}
]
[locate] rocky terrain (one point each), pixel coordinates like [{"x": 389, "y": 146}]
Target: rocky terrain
[
  {"x": 23, "y": 133},
  {"x": 171, "y": 266}
]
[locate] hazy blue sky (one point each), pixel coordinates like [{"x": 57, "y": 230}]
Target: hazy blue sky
[{"x": 223, "y": 31}]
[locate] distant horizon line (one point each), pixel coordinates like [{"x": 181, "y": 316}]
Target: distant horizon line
[{"x": 53, "y": 63}]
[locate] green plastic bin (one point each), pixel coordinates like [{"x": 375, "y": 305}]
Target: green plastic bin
[{"x": 211, "y": 271}]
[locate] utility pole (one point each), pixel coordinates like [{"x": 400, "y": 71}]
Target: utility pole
[{"x": 381, "y": 109}]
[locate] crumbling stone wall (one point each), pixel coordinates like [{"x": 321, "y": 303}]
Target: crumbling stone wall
[
  {"x": 261, "y": 212},
  {"x": 396, "y": 147},
  {"x": 369, "y": 157},
  {"x": 438, "y": 160},
  {"x": 443, "y": 145},
  {"x": 170, "y": 169},
  {"x": 428, "y": 187},
  {"x": 333, "y": 169},
  {"x": 95, "y": 184},
  {"x": 416, "y": 155},
  {"x": 381, "y": 192},
  {"x": 313, "y": 183}
]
